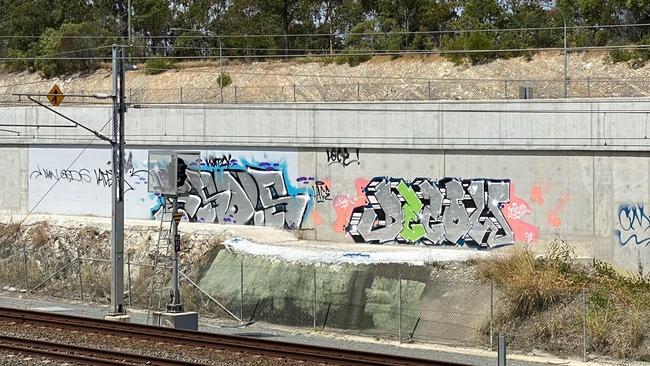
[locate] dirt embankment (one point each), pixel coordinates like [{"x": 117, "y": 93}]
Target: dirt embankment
[{"x": 382, "y": 78}]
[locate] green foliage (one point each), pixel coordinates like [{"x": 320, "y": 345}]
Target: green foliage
[
  {"x": 353, "y": 57},
  {"x": 227, "y": 80},
  {"x": 157, "y": 65},
  {"x": 378, "y": 26},
  {"x": 470, "y": 41},
  {"x": 61, "y": 42}
]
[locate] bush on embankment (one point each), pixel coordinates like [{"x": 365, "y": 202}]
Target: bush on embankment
[{"x": 543, "y": 305}]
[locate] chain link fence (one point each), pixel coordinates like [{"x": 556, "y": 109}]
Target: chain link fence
[
  {"x": 391, "y": 302},
  {"x": 424, "y": 90}
]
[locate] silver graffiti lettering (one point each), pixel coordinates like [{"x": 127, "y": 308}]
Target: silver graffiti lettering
[
  {"x": 251, "y": 197},
  {"x": 454, "y": 212},
  {"x": 380, "y": 222}
]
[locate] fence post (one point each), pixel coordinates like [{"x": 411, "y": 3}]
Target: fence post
[
  {"x": 314, "y": 304},
  {"x": 81, "y": 287},
  {"x": 241, "y": 290},
  {"x": 294, "y": 92},
  {"x": 502, "y": 351},
  {"x": 25, "y": 267},
  {"x": 128, "y": 275},
  {"x": 491, "y": 315},
  {"x": 505, "y": 89},
  {"x": 589, "y": 86},
  {"x": 358, "y": 91},
  {"x": 83, "y": 100},
  {"x": 399, "y": 310},
  {"x": 181, "y": 94},
  {"x": 584, "y": 325},
  {"x": 429, "y": 89},
  {"x": 235, "y": 94},
  {"x": 130, "y": 95}
]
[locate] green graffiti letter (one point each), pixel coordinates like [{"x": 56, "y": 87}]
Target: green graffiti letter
[{"x": 411, "y": 232}]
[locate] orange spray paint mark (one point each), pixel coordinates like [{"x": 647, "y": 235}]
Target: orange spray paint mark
[
  {"x": 316, "y": 217},
  {"x": 537, "y": 195},
  {"x": 554, "y": 216}
]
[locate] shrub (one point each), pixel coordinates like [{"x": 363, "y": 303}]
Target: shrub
[
  {"x": 353, "y": 57},
  {"x": 227, "y": 80},
  {"x": 157, "y": 65},
  {"x": 471, "y": 41}
]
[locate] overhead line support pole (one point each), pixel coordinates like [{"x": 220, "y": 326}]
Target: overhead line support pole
[
  {"x": 566, "y": 64},
  {"x": 117, "y": 186}
]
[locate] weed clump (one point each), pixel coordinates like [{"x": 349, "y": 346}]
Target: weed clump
[{"x": 546, "y": 301}]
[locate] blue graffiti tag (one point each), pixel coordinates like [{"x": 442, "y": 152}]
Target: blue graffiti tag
[{"x": 634, "y": 225}]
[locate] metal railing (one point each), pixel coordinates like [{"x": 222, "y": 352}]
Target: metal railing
[{"x": 374, "y": 91}]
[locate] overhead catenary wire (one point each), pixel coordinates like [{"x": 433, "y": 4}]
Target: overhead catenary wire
[
  {"x": 83, "y": 150},
  {"x": 267, "y": 35},
  {"x": 368, "y": 53}
]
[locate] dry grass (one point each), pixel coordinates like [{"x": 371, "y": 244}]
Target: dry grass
[
  {"x": 9, "y": 232},
  {"x": 544, "y": 306},
  {"x": 528, "y": 285},
  {"x": 39, "y": 234}
]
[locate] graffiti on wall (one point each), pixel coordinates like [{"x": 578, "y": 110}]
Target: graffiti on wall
[
  {"x": 445, "y": 212},
  {"x": 342, "y": 156},
  {"x": 516, "y": 213},
  {"x": 320, "y": 192},
  {"x": 633, "y": 225},
  {"x": 246, "y": 186},
  {"x": 238, "y": 192},
  {"x": 100, "y": 176},
  {"x": 344, "y": 204},
  {"x": 83, "y": 187}
]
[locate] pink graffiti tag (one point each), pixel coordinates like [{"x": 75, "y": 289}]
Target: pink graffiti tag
[
  {"x": 344, "y": 204},
  {"x": 514, "y": 212}
]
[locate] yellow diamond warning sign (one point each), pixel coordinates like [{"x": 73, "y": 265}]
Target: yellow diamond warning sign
[{"x": 55, "y": 96}]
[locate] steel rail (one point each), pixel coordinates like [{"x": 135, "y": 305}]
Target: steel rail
[
  {"x": 264, "y": 347},
  {"x": 79, "y": 354}
]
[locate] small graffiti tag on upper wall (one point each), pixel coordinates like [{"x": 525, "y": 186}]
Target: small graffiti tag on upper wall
[
  {"x": 342, "y": 156},
  {"x": 633, "y": 225}
]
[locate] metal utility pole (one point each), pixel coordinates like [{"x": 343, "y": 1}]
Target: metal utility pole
[
  {"x": 117, "y": 186},
  {"x": 220, "y": 68},
  {"x": 128, "y": 17},
  {"x": 175, "y": 306},
  {"x": 566, "y": 77}
]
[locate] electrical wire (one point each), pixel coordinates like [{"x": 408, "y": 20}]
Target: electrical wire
[
  {"x": 368, "y": 53},
  {"x": 272, "y": 35},
  {"x": 83, "y": 150}
]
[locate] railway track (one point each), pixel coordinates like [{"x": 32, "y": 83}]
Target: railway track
[
  {"x": 78, "y": 354},
  {"x": 264, "y": 347}
]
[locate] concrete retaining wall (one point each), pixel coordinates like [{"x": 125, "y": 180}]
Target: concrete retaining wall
[{"x": 574, "y": 168}]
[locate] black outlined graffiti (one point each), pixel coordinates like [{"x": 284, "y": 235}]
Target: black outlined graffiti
[
  {"x": 342, "y": 156},
  {"x": 245, "y": 197},
  {"x": 446, "y": 212},
  {"x": 322, "y": 191}
]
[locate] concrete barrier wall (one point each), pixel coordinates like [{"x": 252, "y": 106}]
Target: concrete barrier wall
[{"x": 479, "y": 175}]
